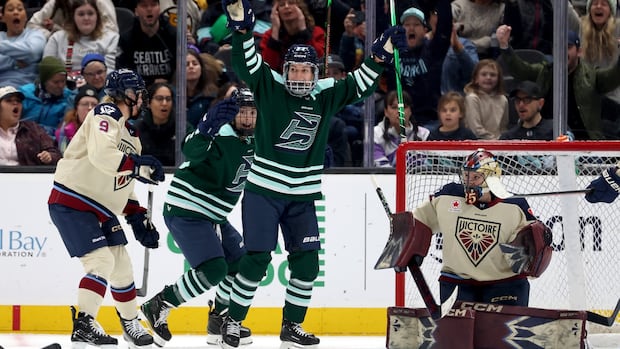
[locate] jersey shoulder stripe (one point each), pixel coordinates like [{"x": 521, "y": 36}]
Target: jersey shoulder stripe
[{"x": 108, "y": 109}]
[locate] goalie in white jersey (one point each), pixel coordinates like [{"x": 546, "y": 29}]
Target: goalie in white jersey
[
  {"x": 93, "y": 184},
  {"x": 491, "y": 245}
]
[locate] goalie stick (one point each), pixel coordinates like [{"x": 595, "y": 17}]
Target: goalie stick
[
  {"x": 141, "y": 292},
  {"x": 436, "y": 311},
  {"x": 602, "y": 320},
  {"x": 549, "y": 193}
]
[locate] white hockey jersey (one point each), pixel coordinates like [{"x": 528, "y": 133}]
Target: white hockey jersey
[
  {"x": 88, "y": 177},
  {"x": 472, "y": 233}
]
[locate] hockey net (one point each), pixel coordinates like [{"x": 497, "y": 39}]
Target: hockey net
[{"x": 583, "y": 274}]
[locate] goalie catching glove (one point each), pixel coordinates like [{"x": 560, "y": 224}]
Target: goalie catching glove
[
  {"x": 221, "y": 113},
  {"x": 530, "y": 252},
  {"x": 143, "y": 229},
  {"x": 239, "y": 14},
  {"x": 383, "y": 46},
  {"x": 605, "y": 188}
]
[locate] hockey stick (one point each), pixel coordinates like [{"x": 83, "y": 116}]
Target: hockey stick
[
  {"x": 565, "y": 192},
  {"x": 141, "y": 292},
  {"x": 328, "y": 26},
  {"x": 602, "y": 320},
  {"x": 399, "y": 87},
  {"x": 436, "y": 311}
]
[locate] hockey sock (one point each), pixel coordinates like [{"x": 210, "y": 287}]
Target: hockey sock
[
  {"x": 304, "y": 267},
  {"x": 251, "y": 271},
  {"x": 195, "y": 282},
  {"x": 125, "y": 301},
  {"x": 90, "y": 294},
  {"x": 222, "y": 294}
]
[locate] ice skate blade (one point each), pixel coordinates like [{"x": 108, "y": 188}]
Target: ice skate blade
[
  {"x": 84, "y": 345},
  {"x": 223, "y": 345},
  {"x": 214, "y": 339},
  {"x": 292, "y": 345}
]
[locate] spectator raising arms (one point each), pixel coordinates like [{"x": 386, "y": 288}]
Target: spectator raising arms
[
  {"x": 20, "y": 47},
  {"x": 23, "y": 142},
  {"x": 291, "y": 23}
]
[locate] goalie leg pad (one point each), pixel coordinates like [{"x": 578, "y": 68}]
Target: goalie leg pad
[{"x": 416, "y": 243}]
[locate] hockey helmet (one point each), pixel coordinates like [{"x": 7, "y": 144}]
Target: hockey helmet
[
  {"x": 127, "y": 85},
  {"x": 300, "y": 54},
  {"x": 245, "y": 121},
  {"x": 484, "y": 163}
]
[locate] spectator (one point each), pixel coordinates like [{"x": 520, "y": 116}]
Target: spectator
[
  {"x": 149, "y": 47},
  {"x": 23, "y": 142},
  {"x": 421, "y": 65},
  {"x": 157, "y": 127},
  {"x": 351, "y": 47},
  {"x": 586, "y": 84},
  {"x": 451, "y": 110},
  {"x": 599, "y": 47},
  {"x": 387, "y": 133},
  {"x": 47, "y": 98},
  {"x": 533, "y": 24},
  {"x": 168, "y": 10},
  {"x": 94, "y": 71},
  {"x": 486, "y": 106},
  {"x": 459, "y": 62},
  {"x": 199, "y": 96},
  {"x": 83, "y": 34},
  {"x": 528, "y": 100},
  {"x": 291, "y": 23},
  {"x": 85, "y": 100},
  {"x": 55, "y": 13},
  {"x": 20, "y": 47},
  {"x": 477, "y": 20}
]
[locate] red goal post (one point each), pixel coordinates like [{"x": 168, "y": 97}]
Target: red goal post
[{"x": 584, "y": 271}]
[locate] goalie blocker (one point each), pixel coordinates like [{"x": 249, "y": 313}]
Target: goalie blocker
[{"x": 472, "y": 325}]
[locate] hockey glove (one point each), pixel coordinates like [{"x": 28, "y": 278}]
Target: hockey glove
[
  {"x": 143, "y": 229},
  {"x": 239, "y": 14},
  {"x": 221, "y": 114},
  {"x": 605, "y": 188},
  {"x": 383, "y": 46},
  {"x": 146, "y": 169}
]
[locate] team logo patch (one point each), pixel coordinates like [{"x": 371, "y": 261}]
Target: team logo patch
[
  {"x": 455, "y": 206},
  {"x": 476, "y": 237}
]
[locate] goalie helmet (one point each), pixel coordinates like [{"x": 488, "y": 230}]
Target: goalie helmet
[
  {"x": 245, "y": 121},
  {"x": 127, "y": 85},
  {"x": 484, "y": 163},
  {"x": 300, "y": 54}
]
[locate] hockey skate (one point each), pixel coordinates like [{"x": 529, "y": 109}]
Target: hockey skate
[
  {"x": 87, "y": 331},
  {"x": 230, "y": 332},
  {"x": 134, "y": 334},
  {"x": 155, "y": 311},
  {"x": 293, "y": 336},
  {"x": 214, "y": 328}
]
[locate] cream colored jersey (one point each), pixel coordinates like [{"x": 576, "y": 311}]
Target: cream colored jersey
[
  {"x": 87, "y": 177},
  {"x": 472, "y": 233}
]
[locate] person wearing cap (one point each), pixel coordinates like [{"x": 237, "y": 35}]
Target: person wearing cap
[
  {"x": 94, "y": 71},
  {"x": 149, "y": 47},
  {"x": 291, "y": 23},
  {"x": 84, "y": 34},
  {"x": 47, "y": 98},
  {"x": 528, "y": 101},
  {"x": 587, "y": 84},
  {"x": 421, "y": 64},
  {"x": 352, "y": 42},
  {"x": 55, "y": 13},
  {"x": 20, "y": 47},
  {"x": 86, "y": 99},
  {"x": 22, "y": 142}
]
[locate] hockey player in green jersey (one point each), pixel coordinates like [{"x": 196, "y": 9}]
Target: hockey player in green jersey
[
  {"x": 291, "y": 135},
  {"x": 204, "y": 190}
]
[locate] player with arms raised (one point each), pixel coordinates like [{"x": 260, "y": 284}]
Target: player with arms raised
[
  {"x": 205, "y": 188},
  {"x": 294, "y": 110},
  {"x": 94, "y": 183},
  {"x": 490, "y": 245}
]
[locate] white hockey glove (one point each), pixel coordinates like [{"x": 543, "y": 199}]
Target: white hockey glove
[{"x": 239, "y": 14}]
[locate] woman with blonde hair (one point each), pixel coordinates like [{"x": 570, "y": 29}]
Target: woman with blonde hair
[{"x": 486, "y": 106}]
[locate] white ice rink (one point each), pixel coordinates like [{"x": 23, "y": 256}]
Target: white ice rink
[{"x": 37, "y": 341}]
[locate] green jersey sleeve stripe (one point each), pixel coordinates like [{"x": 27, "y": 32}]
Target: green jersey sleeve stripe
[{"x": 181, "y": 187}]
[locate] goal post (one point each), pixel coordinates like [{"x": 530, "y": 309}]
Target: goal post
[{"x": 583, "y": 273}]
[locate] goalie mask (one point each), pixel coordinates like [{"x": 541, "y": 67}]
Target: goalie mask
[
  {"x": 126, "y": 85},
  {"x": 297, "y": 60},
  {"x": 481, "y": 173},
  {"x": 245, "y": 122}
]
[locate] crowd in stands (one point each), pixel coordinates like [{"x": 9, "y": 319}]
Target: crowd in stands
[{"x": 463, "y": 76}]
